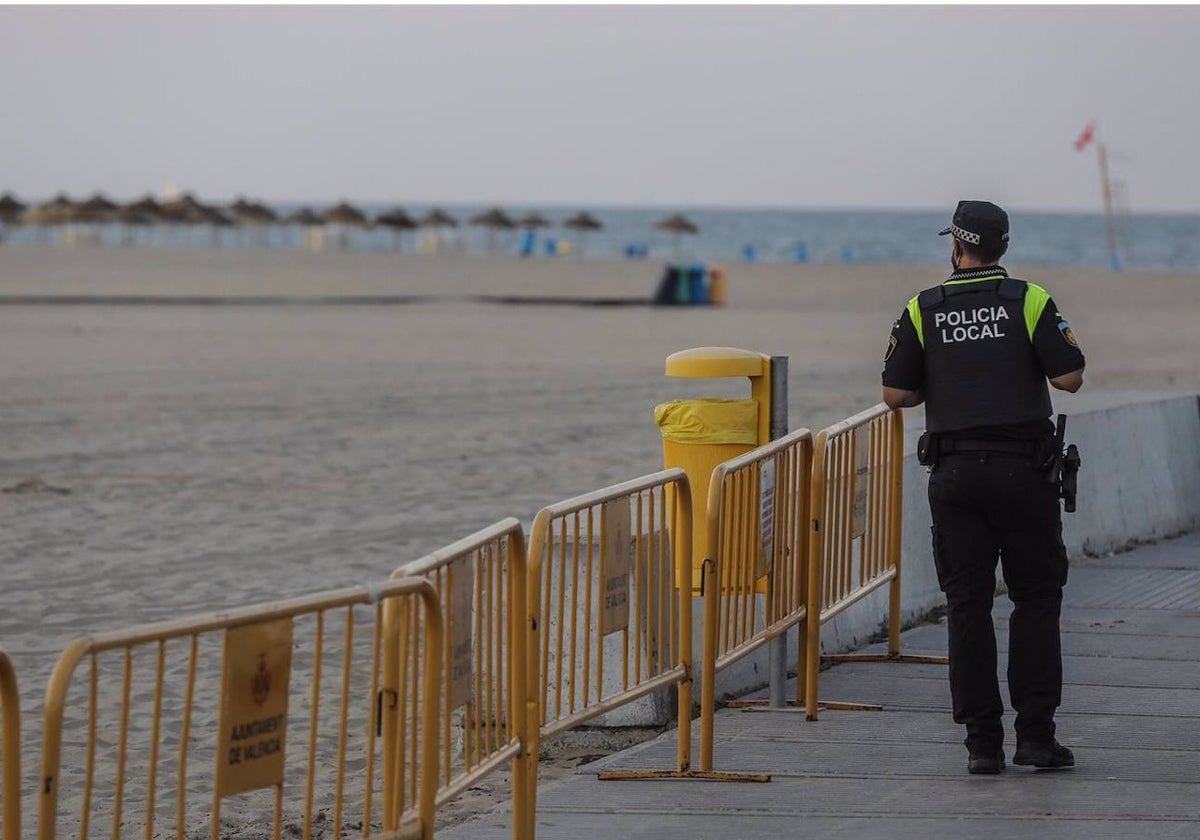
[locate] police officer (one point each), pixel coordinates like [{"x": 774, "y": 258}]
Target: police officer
[{"x": 978, "y": 350}]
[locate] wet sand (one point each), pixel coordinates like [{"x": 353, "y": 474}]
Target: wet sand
[{"x": 221, "y": 455}]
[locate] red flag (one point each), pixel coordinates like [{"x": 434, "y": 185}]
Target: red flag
[{"x": 1085, "y": 137}]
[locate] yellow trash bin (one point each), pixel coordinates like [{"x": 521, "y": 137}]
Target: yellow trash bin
[{"x": 699, "y": 434}]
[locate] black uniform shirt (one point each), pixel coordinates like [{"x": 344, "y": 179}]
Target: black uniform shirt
[{"x": 1055, "y": 349}]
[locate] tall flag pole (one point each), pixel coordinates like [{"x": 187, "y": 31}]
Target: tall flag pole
[
  {"x": 1109, "y": 228},
  {"x": 1087, "y": 136}
]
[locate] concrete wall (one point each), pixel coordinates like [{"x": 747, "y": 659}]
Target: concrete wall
[
  {"x": 1140, "y": 481},
  {"x": 1140, "y": 478}
]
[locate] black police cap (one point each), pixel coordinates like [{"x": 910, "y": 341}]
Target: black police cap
[{"x": 979, "y": 223}]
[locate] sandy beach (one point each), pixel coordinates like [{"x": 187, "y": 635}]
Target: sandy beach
[{"x": 221, "y": 455}]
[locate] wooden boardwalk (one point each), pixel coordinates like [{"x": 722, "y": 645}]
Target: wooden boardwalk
[{"x": 1131, "y": 713}]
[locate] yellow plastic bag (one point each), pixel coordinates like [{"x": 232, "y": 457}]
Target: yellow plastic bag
[{"x": 708, "y": 421}]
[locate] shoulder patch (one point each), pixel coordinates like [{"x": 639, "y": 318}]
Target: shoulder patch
[
  {"x": 891, "y": 348},
  {"x": 1064, "y": 330}
]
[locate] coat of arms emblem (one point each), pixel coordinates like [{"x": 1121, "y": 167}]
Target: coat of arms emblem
[{"x": 260, "y": 683}]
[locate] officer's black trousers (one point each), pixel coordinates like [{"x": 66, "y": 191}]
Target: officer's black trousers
[{"x": 984, "y": 506}]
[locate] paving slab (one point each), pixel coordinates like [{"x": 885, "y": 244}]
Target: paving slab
[
  {"x": 560, "y": 826},
  {"x": 1131, "y": 711},
  {"x": 900, "y": 727},
  {"x": 894, "y": 689},
  {"x": 940, "y": 759},
  {"x": 931, "y": 639},
  {"x": 1023, "y": 792},
  {"x": 1127, "y": 671}
]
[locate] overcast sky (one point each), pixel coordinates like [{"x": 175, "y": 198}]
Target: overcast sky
[{"x": 777, "y": 106}]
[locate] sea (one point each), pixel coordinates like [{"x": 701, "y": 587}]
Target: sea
[{"x": 731, "y": 235}]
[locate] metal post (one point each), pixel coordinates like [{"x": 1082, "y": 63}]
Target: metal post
[
  {"x": 779, "y": 427},
  {"x": 1114, "y": 258},
  {"x": 10, "y": 737}
]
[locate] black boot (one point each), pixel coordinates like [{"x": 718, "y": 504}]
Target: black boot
[
  {"x": 1044, "y": 755},
  {"x": 985, "y": 762}
]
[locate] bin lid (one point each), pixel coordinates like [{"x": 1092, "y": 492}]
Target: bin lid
[{"x": 717, "y": 362}]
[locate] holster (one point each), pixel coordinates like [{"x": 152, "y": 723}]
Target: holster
[
  {"x": 927, "y": 450},
  {"x": 1070, "y": 473}
]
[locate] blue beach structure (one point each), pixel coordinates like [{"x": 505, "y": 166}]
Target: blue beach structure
[{"x": 689, "y": 284}]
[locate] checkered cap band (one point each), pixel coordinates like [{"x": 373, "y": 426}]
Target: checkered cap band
[{"x": 964, "y": 235}]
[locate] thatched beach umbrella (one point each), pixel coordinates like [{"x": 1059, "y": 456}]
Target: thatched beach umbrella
[
  {"x": 581, "y": 223},
  {"x": 52, "y": 212},
  {"x": 242, "y": 211},
  {"x": 61, "y": 201},
  {"x": 437, "y": 219},
  {"x": 398, "y": 221},
  {"x": 146, "y": 205},
  {"x": 98, "y": 206},
  {"x": 677, "y": 225},
  {"x": 48, "y": 214},
  {"x": 496, "y": 219},
  {"x": 252, "y": 212},
  {"x": 188, "y": 210},
  {"x": 184, "y": 210},
  {"x": 344, "y": 213},
  {"x": 130, "y": 217},
  {"x": 343, "y": 216},
  {"x": 254, "y": 216},
  {"x": 92, "y": 214},
  {"x": 10, "y": 209},
  {"x": 311, "y": 223},
  {"x": 214, "y": 217},
  {"x": 142, "y": 213},
  {"x": 265, "y": 214},
  {"x": 304, "y": 216},
  {"x": 216, "y": 220},
  {"x": 493, "y": 220}
]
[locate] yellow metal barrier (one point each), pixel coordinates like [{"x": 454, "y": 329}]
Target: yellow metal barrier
[
  {"x": 758, "y": 513},
  {"x": 240, "y": 732},
  {"x": 489, "y": 667},
  {"x": 854, "y": 549},
  {"x": 10, "y": 743},
  {"x": 614, "y": 571}
]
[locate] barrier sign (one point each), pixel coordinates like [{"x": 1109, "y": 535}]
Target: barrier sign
[
  {"x": 614, "y": 566},
  {"x": 766, "y": 518},
  {"x": 257, "y": 666},
  {"x": 462, "y": 586},
  {"x": 862, "y": 479}
]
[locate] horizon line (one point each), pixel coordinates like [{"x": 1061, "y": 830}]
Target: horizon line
[{"x": 611, "y": 205}]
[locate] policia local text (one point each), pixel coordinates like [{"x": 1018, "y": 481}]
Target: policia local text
[{"x": 971, "y": 325}]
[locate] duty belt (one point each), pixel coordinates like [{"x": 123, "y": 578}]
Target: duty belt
[{"x": 959, "y": 446}]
